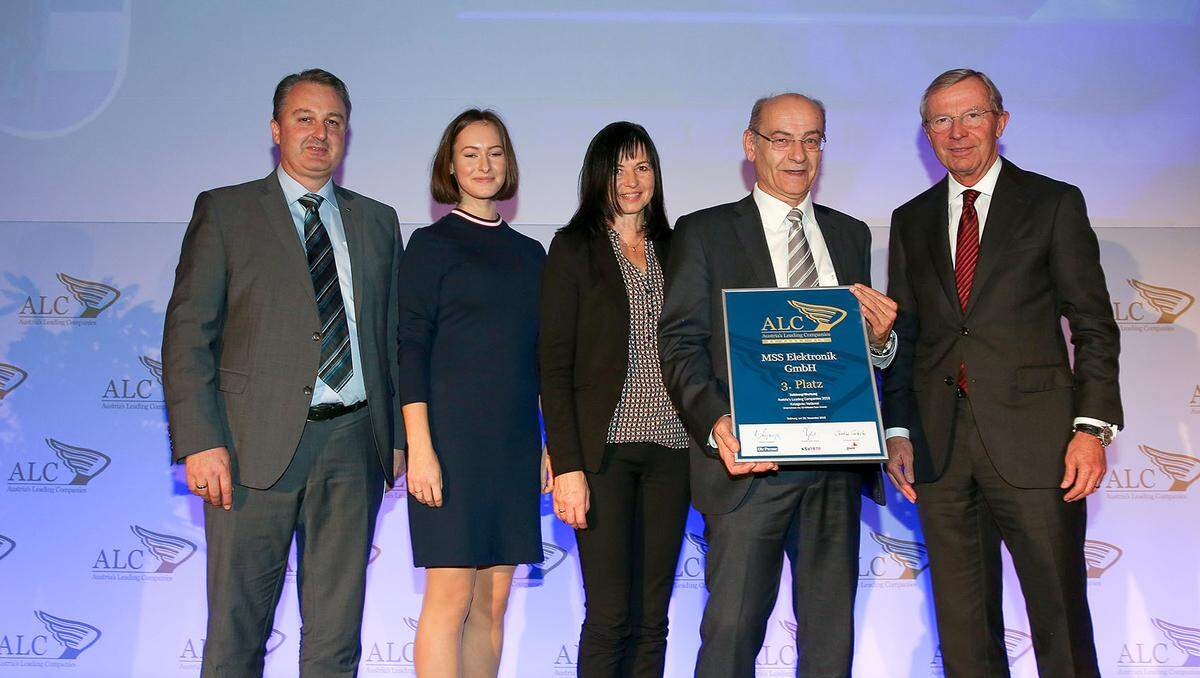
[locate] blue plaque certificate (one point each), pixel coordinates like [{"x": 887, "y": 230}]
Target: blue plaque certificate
[{"x": 801, "y": 384}]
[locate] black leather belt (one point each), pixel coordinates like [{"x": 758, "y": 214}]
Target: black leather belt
[{"x": 327, "y": 411}]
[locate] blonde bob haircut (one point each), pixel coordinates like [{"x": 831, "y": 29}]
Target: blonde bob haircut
[{"x": 442, "y": 183}]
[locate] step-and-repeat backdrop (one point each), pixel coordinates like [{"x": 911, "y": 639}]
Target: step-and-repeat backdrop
[
  {"x": 114, "y": 114},
  {"x": 102, "y": 548}
]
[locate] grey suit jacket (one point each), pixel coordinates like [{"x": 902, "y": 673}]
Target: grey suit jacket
[
  {"x": 724, "y": 247},
  {"x": 239, "y": 358}
]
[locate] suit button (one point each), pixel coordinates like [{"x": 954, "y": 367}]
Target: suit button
[
  {"x": 964, "y": 331},
  {"x": 316, "y": 336},
  {"x": 308, "y": 390},
  {"x": 949, "y": 381}
]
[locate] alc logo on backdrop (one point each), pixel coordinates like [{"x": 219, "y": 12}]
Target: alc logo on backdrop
[
  {"x": 898, "y": 563},
  {"x": 71, "y": 470},
  {"x": 35, "y": 648},
  {"x": 1165, "y": 476},
  {"x": 157, "y": 556},
  {"x": 143, "y": 392},
  {"x": 192, "y": 654},
  {"x": 1154, "y": 310},
  {"x": 690, "y": 572},
  {"x": 1147, "y": 658},
  {"x": 1100, "y": 556},
  {"x": 90, "y": 299},
  {"x": 1016, "y": 645},
  {"x": 390, "y": 655},
  {"x": 527, "y": 576},
  {"x": 11, "y": 377}
]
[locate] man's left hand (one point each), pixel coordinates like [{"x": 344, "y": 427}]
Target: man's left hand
[
  {"x": 879, "y": 311},
  {"x": 1085, "y": 467}
]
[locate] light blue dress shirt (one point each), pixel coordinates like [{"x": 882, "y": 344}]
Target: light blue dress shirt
[{"x": 355, "y": 390}]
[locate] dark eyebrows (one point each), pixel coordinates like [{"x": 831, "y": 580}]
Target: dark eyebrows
[
  {"x": 809, "y": 133},
  {"x": 308, "y": 111}
]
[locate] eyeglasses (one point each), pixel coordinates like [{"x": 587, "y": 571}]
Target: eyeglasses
[
  {"x": 811, "y": 143},
  {"x": 971, "y": 119}
]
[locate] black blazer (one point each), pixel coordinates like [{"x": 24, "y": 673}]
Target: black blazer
[
  {"x": 725, "y": 247},
  {"x": 1039, "y": 261},
  {"x": 583, "y": 346}
]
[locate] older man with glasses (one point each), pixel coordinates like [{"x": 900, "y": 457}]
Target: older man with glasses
[
  {"x": 989, "y": 426},
  {"x": 755, "y": 513}
]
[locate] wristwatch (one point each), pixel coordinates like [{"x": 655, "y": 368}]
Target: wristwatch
[
  {"x": 887, "y": 346},
  {"x": 1103, "y": 433}
]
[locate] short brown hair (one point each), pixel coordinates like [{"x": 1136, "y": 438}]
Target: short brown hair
[
  {"x": 955, "y": 76},
  {"x": 442, "y": 183},
  {"x": 317, "y": 76}
]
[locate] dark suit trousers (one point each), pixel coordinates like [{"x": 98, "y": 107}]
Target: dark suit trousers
[
  {"x": 328, "y": 498},
  {"x": 813, "y": 517},
  {"x": 628, "y": 554},
  {"x": 964, "y": 514}
]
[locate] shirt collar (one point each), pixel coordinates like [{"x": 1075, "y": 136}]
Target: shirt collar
[
  {"x": 986, "y": 184},
  {"x": 774, "y": 211},
  {"x": 293, "y": 190}
]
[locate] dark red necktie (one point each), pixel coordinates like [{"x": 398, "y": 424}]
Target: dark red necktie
[{"x": 966, "y": 256}]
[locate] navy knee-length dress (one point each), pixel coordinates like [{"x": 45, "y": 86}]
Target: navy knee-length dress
[{"x": 468, "y": 348}]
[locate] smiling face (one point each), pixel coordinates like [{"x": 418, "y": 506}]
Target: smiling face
[
  {"x": 633, "y": 185},
  {"x": 311, "y": 133},
  {"x": 967, "y": 153},
  {"x": 786, "y": 174},
  {"x": 479, "y": 164}
]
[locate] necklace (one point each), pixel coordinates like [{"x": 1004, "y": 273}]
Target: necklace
[{"x": 633, "y": 247}]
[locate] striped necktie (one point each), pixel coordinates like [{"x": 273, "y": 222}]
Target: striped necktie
[
  {"x": 336, "y": 364},
  {"x": 966, "y": 256},
  {"x": 802, "y": 269}
]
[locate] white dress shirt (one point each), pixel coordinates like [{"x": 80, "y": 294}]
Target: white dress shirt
[
  {"x": 354, "y": 390},
  {"x": 773, "y": 213},
  {"x": 983, "y": 202}
]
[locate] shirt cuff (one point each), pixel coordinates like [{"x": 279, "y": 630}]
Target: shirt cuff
[
  {"x": 896, "y": 432},
  {"x": 1095, "y": 422},
  {"x": 884, "y": 359},
  {"x": 712, "y": 441}
]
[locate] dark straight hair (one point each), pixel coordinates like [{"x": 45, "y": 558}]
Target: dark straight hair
[
  {"x": 597, "y": 195},
  {"x": 316, "y": 76}
]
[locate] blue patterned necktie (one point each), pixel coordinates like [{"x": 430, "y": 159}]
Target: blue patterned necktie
[{"x": 336, "y": 364}]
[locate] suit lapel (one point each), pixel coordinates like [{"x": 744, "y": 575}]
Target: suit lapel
[
  {"x": 608, "y": 272},
  {"x": 938, "y": 220},
  {"x": 1007, "y": 205},
  {"x": 356, "y": 237},
  {"x": 279, "y": 222},
  {"x": 835, "y": 243},
  {"x": 748, "y": 228}
]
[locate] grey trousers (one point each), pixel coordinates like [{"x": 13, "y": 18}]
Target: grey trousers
[
  {"x": 813, "y": 517},
  {"x": 328, "y": 497}
]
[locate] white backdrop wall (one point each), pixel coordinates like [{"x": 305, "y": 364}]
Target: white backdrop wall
[{"x": 114, "y": 114}]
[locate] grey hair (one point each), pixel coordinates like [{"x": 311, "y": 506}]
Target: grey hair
[
  {"x": 955, "y": 76},
  {"x": 756, "y": 110}
]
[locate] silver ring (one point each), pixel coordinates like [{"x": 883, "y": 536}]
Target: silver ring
[
  {"x": 201, "y": 487},
  {"x": 562, "y": 510}
]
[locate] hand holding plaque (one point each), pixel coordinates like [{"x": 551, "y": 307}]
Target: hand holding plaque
[{"x": 802, "y": 388}]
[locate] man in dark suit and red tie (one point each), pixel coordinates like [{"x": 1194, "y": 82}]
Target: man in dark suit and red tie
[
  {"x": 989, "y": 427},
  {"x": 280, "y": 373}
]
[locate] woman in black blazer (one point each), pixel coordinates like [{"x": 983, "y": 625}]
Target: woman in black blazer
[{"x": 617, "y": 446}]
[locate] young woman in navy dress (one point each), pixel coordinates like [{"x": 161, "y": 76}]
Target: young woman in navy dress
[{"x": 469, "y": 289}]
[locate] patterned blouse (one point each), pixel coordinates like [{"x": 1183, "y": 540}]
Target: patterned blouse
[{"x": 645, "y": 412}]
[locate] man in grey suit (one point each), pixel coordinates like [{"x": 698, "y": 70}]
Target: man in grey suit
[
  {"x": 755, "y": 513},
  {"x": 280, "y": 373}
]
